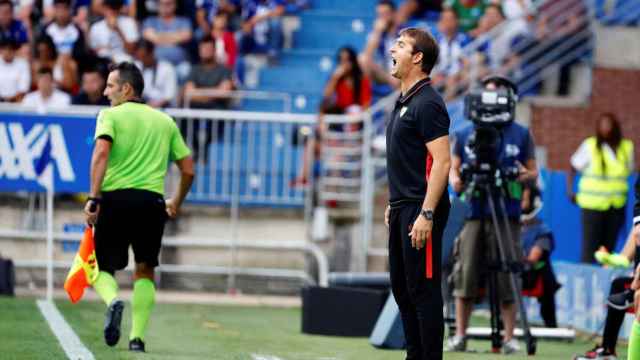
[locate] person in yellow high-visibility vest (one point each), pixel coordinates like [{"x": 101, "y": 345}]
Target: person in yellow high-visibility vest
[{"x": 605, "y": 162}]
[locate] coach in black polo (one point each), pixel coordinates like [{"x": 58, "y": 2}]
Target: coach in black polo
[{"x": 418, "y": 164}]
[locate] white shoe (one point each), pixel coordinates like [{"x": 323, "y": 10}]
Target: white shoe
[
  {"x": 510, "y": 347},
  {"x": 456, "y": 343}
]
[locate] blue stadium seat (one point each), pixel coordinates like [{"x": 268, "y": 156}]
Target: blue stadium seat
[
  {"x": 304, "y": 70},
  {"x": 297, "y": 77},
  {"x": 329, "y": 39},
  {"x": 269, "y": 160},
  {"x": 624, "y": 12},
  {"x": 355, "y": 7},
  {"x": 306, "y": 57}
]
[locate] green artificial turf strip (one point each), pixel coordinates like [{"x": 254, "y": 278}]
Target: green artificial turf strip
[{"x": 179, "y": 331}]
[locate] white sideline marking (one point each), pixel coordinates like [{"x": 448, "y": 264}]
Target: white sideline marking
[
  {"x": 70, "y": 342},
  {"x": 264, "y": 357}
]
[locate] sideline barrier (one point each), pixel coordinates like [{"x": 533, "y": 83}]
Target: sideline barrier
[
  {"x": 581, "y": 302},
  {"x": 242, "y": 159}
]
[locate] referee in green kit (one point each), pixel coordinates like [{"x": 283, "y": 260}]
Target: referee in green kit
[{"x": 134, "y": 144}]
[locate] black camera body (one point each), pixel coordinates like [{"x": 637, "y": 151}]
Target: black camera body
[
  {"x": 490, "y": 111},
  {"x": 495, "y": 108}
]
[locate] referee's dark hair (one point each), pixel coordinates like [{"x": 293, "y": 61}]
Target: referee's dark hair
[
  {"x": 128, "y": 72},
  {"x": 423, "y": 42}
]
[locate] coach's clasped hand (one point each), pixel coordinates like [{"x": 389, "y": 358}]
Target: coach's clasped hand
[
  {"x": 386, "y": 215},
  {"x": 91, "y": 210},
  {"x": 420, "y": 231}
]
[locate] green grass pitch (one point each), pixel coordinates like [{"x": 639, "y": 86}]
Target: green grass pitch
[{"x": 179, "y": 331}]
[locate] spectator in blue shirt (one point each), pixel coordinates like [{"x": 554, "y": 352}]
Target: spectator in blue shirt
[
  {"x": 295, "y": 6},
  {"x": 376, "y": 58},
  {"x": 206, "y": 11},
  {"x": 10, "y": 28},
  {"x": 262, "y": 27},
  {"x": 170, "y": 34},
  {"x": 144, "y": 9},
  {"x": 449, "y": 68}
]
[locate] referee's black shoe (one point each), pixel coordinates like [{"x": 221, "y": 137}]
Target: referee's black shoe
[
  {"x": 112, "y": 321},
  {"x": 136, "y": 345}
]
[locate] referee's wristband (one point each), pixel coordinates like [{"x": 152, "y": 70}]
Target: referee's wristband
[{"x": 95, "y": 200}]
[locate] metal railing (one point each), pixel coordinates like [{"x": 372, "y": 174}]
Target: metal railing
[
  {"x": 191, "y": 242},
  {"x": 543, "y": 60},
  {"x": 239, "y": 95},
  {"x": 544, "y": 65},
  {"x": 242, "y": 158},
  {"x": 249, "y": 157},
  {"x": 626, "y": 14}
]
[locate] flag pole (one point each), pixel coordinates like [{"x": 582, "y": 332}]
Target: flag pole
[{"x": 50, "y": 242}]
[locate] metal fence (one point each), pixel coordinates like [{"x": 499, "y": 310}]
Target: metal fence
[
  {"x": 253, "y": 158},
  {"x": 242, "y": 159},
  {"x": 236, "y": 97}
]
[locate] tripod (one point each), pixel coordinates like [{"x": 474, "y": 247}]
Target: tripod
[{"x": 491, "y": 187}]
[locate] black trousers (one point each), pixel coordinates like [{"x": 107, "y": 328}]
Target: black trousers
[
  {"x": 548, "y": 299},
  {"x": 615, "y": 317},
  {"x": 416, "y": 279},
  {"x": 600, "y": 228}
]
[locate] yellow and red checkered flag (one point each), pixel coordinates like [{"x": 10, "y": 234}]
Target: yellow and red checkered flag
[{"x": 84, "y": 270}]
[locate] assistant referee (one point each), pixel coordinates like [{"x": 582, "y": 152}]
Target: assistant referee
[
  {"x": 418, "y": 164},
  {"x": 134, "y": 144}
]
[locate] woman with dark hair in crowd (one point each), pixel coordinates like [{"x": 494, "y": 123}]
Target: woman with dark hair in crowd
[
  {"x": 605, "y": 161},
  {"x": 65, "y": 68},
  {"x": 348, "y": 91},
  {"x": 226, "y": 45}
]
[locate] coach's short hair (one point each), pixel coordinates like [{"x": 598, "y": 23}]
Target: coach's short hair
[
  {"x": 423, "y": 42},
  {"x": 388, "y": 3},
  {"x": 6, "y": 2},
  {"x": 128, "y": 72}
]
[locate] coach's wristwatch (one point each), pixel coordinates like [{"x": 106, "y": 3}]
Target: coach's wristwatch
[{"x": 427, "y": 213}]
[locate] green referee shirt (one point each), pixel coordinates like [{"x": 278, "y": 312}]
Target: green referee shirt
[{"x": 144, "y": 141}]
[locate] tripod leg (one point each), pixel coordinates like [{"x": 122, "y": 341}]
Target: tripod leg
[
  {"x": 494, "y": 301},
  {"x": 494, "y": 306},
  {"x": 531, "y": 342}
]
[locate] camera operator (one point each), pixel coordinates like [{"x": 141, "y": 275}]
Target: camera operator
[{"x": 514, "y": 150}]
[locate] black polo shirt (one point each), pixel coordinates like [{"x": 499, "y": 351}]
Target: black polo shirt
[{"x": 419, "y": 116}]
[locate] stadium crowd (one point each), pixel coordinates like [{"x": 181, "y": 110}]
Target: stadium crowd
[
  {"x": 56, "y": 52},
  {"x": 502, "y": 32}
]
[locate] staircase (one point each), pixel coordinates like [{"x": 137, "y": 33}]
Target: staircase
[{"x": 303, "y": 70}]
